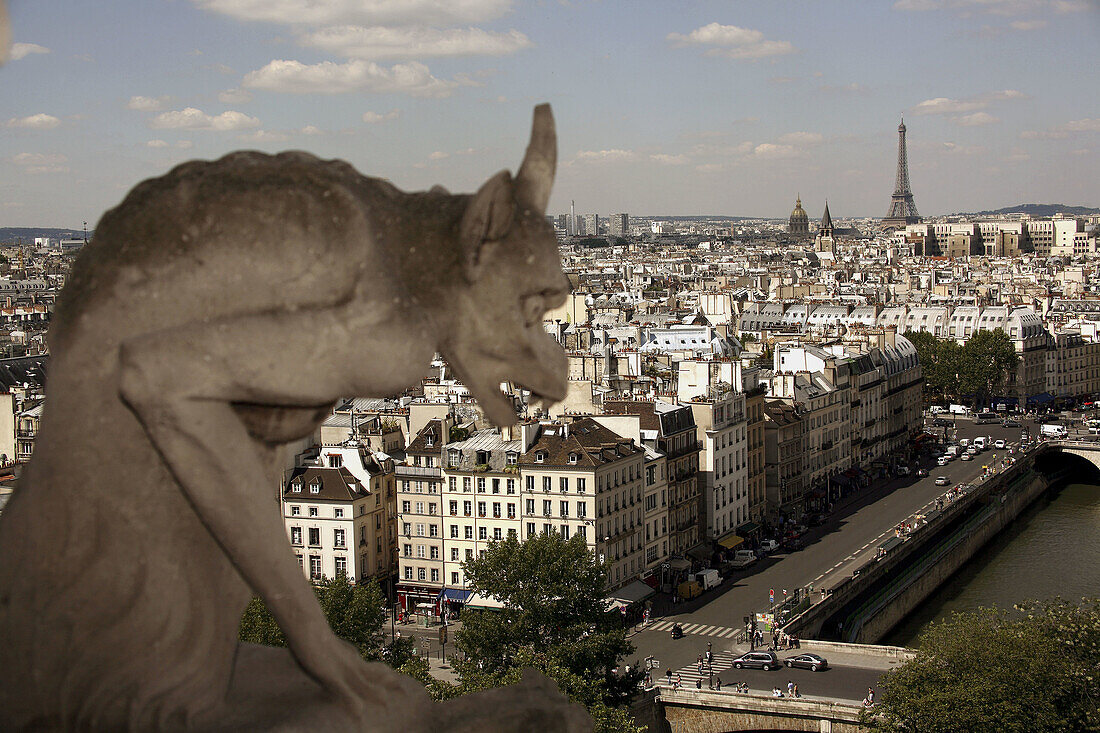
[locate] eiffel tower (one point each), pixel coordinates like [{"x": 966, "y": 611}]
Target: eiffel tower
[{"x": 902, "y": 209}]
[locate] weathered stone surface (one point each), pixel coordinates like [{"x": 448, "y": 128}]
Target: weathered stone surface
[{"x": 219, "y": 312}]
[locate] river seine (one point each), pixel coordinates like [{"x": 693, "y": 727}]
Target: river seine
[{"x": 1052, "y": 549}]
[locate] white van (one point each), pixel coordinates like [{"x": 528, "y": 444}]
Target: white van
[
  {"x": 1052, "y": 431},
  {"x": 980, "y": 443}
]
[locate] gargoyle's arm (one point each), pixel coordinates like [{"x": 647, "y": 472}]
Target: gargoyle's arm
[{"x": 181, "y": 383}]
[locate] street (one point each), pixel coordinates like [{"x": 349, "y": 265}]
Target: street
[{"x": 846, "y": 541}]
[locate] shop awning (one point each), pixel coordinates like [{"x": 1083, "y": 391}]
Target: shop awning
[
  {"x": 477, "y": 601},
  {"x": 731, "y": 541},
  {"x": 701, "y": 553},
  {"x": 1042, "y": 398},
  {"x": 748, "y": 528},
  {"x": 679, "y": 563},
  {"x": 455, "y": 594},
  {"x": 633, "y": 592}
]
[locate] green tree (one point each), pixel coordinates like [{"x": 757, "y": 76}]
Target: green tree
[
  {"x": 554, "y": 619},
  {"x": 1036, "y": 672},
  {"x": 985, "y": 362},
  {"x": 356, "y": 613}
]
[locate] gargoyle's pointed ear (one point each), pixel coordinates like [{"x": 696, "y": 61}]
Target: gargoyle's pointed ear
[
  {"x": 536, "y": 175},
  {"x": 488, "y": 218}
]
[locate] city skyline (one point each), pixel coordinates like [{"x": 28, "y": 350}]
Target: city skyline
[{"x": 715, "y": 108}]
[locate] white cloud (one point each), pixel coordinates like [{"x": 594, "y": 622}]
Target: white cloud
[
  {"x": 311, "y": 130},
  {"x": 731, "y": 41},
  {"x": 975, "y": 120},
  {"x": 666, "y": 159},
  {"x": 361, "y": 12},
  {"x": 41, "y": 162},
  {"x": 40, "y": 121},
  {"x": 439, "y": 155},
  {"x": 264, "y": 136},
  {"x": 801, "y": 138},
  {"x": 1028, "y": 25},
  {"x": 612, "y": 155},
  {"x": 945, "y": 105},
  {"x": 1073, "y": 127},
  {"x": 156, "y": 144},
  {"x": 357, "y": 75},
  {"x": 414, "y": 42},
  {"x": 234, "y": 96},
  {"x": 1086, "y": 125},
  {"x": 774, "y": 150},
  {"x": 957, "y": 149},
  {"x": 195, "y": 119},
  {"x": 709, "y": 167},
  {"x": 22, "y": 50},
  {"x": 148, "y": 104},
  {"x": 373, "y": 118}
]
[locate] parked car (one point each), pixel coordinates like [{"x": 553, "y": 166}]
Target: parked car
[
  {"x": 797, "y": 529},
  {"x": 757, "y": 660},
  {"x": 942, "y": 481},
  {"x": 903, "y": 470},
  {"x": 1010, "y": 422},
  {"x": 812, "y": 662},
  {"x": 939, "y": 422},
  {"x": 922, "y": 472},
  {"x": 769, "y": 546},
  {"x": 816, "y": 520},
  {"x": 1000, "y": 444}
]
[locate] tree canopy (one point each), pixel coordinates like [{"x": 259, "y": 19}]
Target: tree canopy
[
  {"x": 979, "y": 370},
  {"x": 1033, "y": 672},
  {"x": 554, "y": 619}
]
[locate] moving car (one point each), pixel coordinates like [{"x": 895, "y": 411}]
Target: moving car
[
  {"x": 1011, "y": 422},
  {"x": 1000, "y": 444},
  {"x": 939, "y": 422},
  {"x": 943, "y": 460},
  {"x": 942, "y": 481},
  {"x": 757, "y": 660},
  {"x": 967, "y": 456},
  {"x": 812, "y": 662}
]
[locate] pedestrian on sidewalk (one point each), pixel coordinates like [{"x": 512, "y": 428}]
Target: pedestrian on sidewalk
[
  {"x": 718, "y": 684},
  {"x": 679, "y": 681},
  {"x": 699, "y": 684},
  {"x": 668, "y": 674},
  {"x": 790, "y": 688},
  {"x": 795, "y": 692}
]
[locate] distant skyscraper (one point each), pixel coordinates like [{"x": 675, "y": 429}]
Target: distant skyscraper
[
  {"x": 573, "y": 217},
  {"x": 618, "y": 225},
  {"x": 590, "y": 224},
  {"x": 902, "y": 209}
]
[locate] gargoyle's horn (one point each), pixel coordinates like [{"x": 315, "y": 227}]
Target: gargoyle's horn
[
  {"x": 5, "y": 32},
  {"x": 536, "y": 175}
]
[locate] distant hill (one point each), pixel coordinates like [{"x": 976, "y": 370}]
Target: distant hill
[
  {"x": 1040, "y": 210},
  {"x": 26, "y": 235}
]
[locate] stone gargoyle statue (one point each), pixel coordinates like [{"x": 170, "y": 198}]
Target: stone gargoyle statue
[{"x": 218, "y": 313}]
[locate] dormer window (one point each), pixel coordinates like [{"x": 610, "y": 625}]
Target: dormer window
[
  {"x": 512, "y": 458},
  {"x": 296, "y": 486},
  {"x": 315, "y": 487},
  {"x": 572, "y": 457},
  {"x": 539, "y": 456},
  {"x": 453, "y": 458},
  {"x": 429, "y": 440}
]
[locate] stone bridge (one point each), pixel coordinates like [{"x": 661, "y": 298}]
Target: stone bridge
[
  {"x": 1088, "y": 450},
  {"x": 706, "y": 711}
]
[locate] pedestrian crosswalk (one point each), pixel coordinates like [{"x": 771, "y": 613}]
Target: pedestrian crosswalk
[
  {"x": 721, "y": 664},
  {"x": 722, "y": 632}
]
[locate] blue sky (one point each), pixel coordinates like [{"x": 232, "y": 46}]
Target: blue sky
[{"x": 722, "y": 107}]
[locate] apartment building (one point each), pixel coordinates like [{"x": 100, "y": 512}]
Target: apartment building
[
  {"x": 337, "y": 524},
  {"x": 783, "y": 460},
  {"x": 419, "y": 480}
]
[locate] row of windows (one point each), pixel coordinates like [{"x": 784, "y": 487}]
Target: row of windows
[{"x": 339, "y": 537}]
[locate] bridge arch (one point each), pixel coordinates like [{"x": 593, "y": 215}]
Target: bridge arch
[{"x": 1072, "y": 463}]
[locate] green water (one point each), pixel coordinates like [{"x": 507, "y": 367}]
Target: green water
[{"x": 1052, "y": 549}]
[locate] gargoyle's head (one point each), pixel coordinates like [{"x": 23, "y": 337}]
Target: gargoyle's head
[{"x": 511, "y": 275}]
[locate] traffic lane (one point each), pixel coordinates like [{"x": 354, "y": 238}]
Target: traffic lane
[
  {"x": 842, "y": 682},
  {"x": 828, "y": 548}
]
